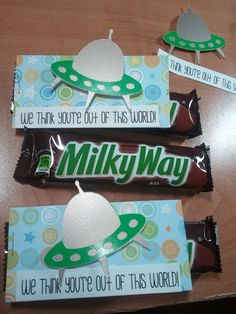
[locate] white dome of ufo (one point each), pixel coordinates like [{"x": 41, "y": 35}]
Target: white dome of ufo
[
  {"x": 101, "y": 60},
  {"x": 192, "y": 27},
  {"x": 88, "y": 219}
]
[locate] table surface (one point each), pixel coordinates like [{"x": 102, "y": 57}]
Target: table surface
[{"x": 64, "y": 27}]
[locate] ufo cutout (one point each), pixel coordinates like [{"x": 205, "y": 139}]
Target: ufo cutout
[
  {"x": 192, "y": 33},
  {"x": 92, "y": 231},
  {"x": 98, "y": 69}
]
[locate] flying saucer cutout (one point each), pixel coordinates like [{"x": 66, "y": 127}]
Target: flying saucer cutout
[
  {"x": 98, "y": 69},
  {"x": 91, "y": 232},
  {"x": 192, "y": 34}
]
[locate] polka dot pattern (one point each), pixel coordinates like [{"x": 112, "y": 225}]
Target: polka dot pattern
[
  {"x": 131, "y": 252},
  {"x": 65, "y": 92},
  {"x": 13, "y": 217},
  {"x": 50, "y": 235},
  {"x": 47, "y": 92},
  {"x": 29, "y": 258},
  {"x": 58, "y": 258},
  {"x": 122, "y": 235},
  {"x": 153, "y": 251},
  {"x": 92, "y": 252},
  {"x": 75, "y": 257},
  {"x": 170, "y": 249},
  {"x": 10, "y": 281},
  {"x": 30, "y": 216},
  {"x": 153, "y": 92},
  {"x": 50, "y": 215},
  {"x": 133, "y": 223},
  {"x": 151, "y": 230},
  {"x": 12, "y": 259}
]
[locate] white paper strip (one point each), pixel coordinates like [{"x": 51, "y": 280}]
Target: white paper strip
[
  {"x": 90, "y": 282},
  {"x": 74, "y": 117},
  {"x": 200, "y": 74}
]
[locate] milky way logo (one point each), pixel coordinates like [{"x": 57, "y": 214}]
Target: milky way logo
[{"x": 106, "y": 160}]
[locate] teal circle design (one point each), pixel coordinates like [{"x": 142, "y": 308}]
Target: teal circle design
[
  {"x": 152, "y": 92},
  {"x": 147, "y": 209},
  {"x": 137, "y": 75},
  {"x": 50, "y": 215},
  {"x": 65, "y": 92},
  {"x": 151, "y": 230},
  {"x": 13, "y": 217},
  {"x": 153, "y": 251},
  {"x": 29, "y": 258},
  {"x": 48, "y": 60},
  {"x": 131, "y": 252},
  {"x": 30, "y": 216},
  {"x": 47, "y": 92},
  {"x": 47, "y": 76}
]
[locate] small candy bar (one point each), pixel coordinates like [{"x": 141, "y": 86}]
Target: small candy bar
[
  {"x": 203, "y": 246},
  {"x": 184, "y": 117},
  {"x": 52, "y": 156}
]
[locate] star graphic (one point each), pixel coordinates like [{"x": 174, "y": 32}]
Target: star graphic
[
  {"x": 32, "y": 60},
  {"x": 29, "y": 92},
  {"x": 29, "y": 237},
  {"x": 168, "y": 228},
  {"x": 166, "y": 209}
]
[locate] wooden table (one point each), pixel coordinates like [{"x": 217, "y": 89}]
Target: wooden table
[{"x": 64, "y": 27}]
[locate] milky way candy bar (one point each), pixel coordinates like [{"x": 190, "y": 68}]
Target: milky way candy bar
[
  {"x": 184, "y": 117},
  {"x": 203, "y": 247},
  {"x": 56, "y": 156}
]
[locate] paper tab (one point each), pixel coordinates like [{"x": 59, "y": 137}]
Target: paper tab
[{"x": 200, "y": 74}]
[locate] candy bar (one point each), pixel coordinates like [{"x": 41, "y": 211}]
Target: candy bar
[
  {"x": 184, "y": 117},
  {"x": 55, "y": 156},
  {"x": 203, "y": 246}
]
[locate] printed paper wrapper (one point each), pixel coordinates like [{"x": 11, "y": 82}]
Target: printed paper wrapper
[
  {"x": 133, "y": 270},
  {"x": 37, "y": 105}
]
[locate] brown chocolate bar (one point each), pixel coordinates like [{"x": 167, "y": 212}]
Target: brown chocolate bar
[
  {"x": 55, "y": 156},
  {"x": 184, "y": 117},
  {"x": 203, "y": 247}
]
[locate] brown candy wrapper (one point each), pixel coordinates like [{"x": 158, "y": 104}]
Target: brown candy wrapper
[
  {"x": 184, "y": 114},
  {"x": 184, "y": 117},
  {"x": 52, "y": 156},
  {"x": 203, "y": 246}
]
